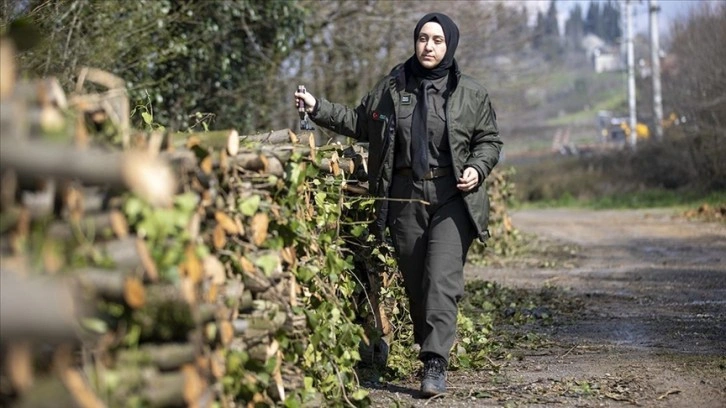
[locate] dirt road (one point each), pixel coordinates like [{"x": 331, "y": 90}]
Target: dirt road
[{"x": 651, "y": 331}]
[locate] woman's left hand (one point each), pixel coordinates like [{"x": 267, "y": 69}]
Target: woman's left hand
[{"x": 468, "y": 180}]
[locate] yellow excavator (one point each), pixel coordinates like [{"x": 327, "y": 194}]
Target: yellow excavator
[{"x": 617, "y": 129}]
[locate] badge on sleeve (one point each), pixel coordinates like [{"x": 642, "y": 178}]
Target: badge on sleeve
[{"x": 405, "y": 99}]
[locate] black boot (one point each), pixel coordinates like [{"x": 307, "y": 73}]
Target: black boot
[{"x": 434, "y": 376}]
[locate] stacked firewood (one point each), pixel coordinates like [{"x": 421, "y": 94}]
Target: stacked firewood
[{"x": 136, "y": 267}]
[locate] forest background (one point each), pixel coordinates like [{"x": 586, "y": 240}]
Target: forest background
[{"x": 197, "y": 65}]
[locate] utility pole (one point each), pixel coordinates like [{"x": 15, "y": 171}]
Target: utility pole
[
  {"x": 655, "y": 64},
  {"x": 631, "y": 72}
]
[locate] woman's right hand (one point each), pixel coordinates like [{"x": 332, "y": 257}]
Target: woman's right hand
[{"x": 307, "y": 98}]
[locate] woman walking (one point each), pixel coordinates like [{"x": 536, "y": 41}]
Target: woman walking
[{"x": 433, "y": 139}]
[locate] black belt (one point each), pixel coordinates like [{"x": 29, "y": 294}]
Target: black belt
[{"x": 434, "y": 172}]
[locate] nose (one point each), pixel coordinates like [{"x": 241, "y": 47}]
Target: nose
[{"x": 429, "y": 45}]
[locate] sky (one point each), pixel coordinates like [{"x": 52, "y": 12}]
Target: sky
[{"x": 671, "y": 10}]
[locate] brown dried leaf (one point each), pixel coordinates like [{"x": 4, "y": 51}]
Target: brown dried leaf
[
  {"x": 288, "y": 256},
  {"x": 219, "y": 237},
  {"x": 247, "y": 265},
  {"x": 192, "y": 265},
  {"x": 211, "y": 293},
  {"x": 293, "y": 137},
  {"x": 214, "y": 270},
  {"x": 259, "y": 224},
  {"x": 188, "y": 290},
  {"x": 226, "y": 332},
  {"x": 227, "y": 222},
  {"x": 119, "y": 226},
  {"x": 207, "y": 165},
  {"x": 146, "y": 260},
  {"x": 134, "y": 292}
]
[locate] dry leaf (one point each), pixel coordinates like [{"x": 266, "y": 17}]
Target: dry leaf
[
  {"x": 211, "y": 294},
  {"x": 192, "y": 264},
  {"x": 219, "y": 237},
  {"x": 293, "y": 137},
  {"x": 119, "y": 226},
  {"x": 207, "y": 165},
  {"x": 134, "y": 292},
  {"x": 288, "y": 256},
  {"x": 146, "y": 260},
  {"x": 227, "y": 222},
  {"x": 247, "y": 265},
  {"x": 259, "y": 224},
  {"x": 214, "y": 270},
  {"x": 188, "y": 290}
]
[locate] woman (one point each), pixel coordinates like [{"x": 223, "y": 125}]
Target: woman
[{"x": 433, "y": 139}]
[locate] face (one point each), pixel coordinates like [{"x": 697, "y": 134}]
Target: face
[{"x": 430, "y": 45}]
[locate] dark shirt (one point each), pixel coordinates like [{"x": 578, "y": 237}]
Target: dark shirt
[{"x": 439, "y": 154}]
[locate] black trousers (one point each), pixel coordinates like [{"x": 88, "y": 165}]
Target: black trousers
[{"x": 431, "y": 242}]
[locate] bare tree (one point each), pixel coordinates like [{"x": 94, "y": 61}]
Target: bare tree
[{"x": 695, "y": 87}]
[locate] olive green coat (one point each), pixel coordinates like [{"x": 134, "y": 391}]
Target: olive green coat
[{"x": 470, "y": 122}]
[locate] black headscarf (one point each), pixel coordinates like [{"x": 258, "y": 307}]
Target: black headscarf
[{"x": 451, "y": 37}]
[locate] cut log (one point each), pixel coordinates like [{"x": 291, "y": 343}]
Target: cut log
[
  {"x": 263, "y": 351},
  {"x": 165, "y": 390},
  {"x": 166, "y": 316},
  {"x": 228, "y": 140},
  {"x": 273, "y": 137},
  {"x": 329, "y": 165},
  {"x": 36, "y": 309},
  {"x": 150, "y": 178},
  {"x": 165, "y": 357},
  {"x": 292, "y": 376},
  {"x": 113, "y": 285},
  {"x": 355, "y": 189},
  {"x": 112, "y": 223},
  {"x": 259, "y": 163},
  {"x": 124, "y": 253}
]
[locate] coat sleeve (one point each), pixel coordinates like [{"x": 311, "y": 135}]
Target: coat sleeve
[
  {"x": 341, "y": 119},
  {"x": 485, "y": 142}
]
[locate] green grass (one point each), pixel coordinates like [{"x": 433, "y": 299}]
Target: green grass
[
  {"x": 652, "y": 198},
  {"x": 612, "y": 102}
]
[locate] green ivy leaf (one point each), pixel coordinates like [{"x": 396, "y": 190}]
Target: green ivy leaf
[
  {"x": 249, "y": 206},
  {"x": 268, "y": 263}
]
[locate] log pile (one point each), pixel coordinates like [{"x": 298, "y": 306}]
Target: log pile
[{"x": 166, "y": 269}]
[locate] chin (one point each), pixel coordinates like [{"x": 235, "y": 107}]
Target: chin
[{"x": 429, "y": 64}]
